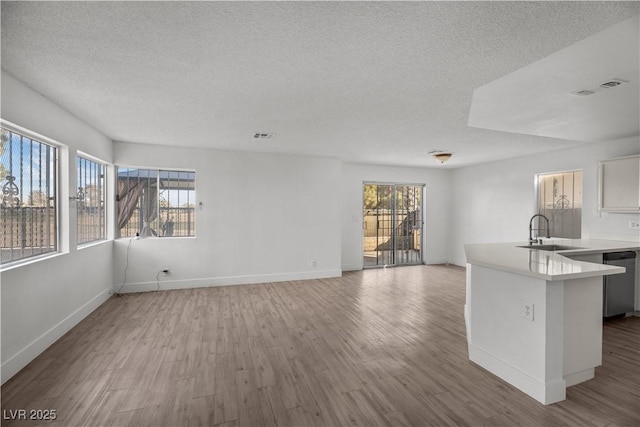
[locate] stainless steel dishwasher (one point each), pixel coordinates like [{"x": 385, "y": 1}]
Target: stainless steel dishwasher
[{"x": 619, "y": 289}]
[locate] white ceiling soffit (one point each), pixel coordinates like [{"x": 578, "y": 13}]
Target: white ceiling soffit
[
  {"x": 367, "y": 82},
  {"x": 566, "y": 94}
]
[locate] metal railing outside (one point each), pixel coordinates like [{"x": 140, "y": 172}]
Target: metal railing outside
[
  {"x": 27, "y": 232},
  {"x": 90, "y": 201},
  {"x": 28, "y": 208}
]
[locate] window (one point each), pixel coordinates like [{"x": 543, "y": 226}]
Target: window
[
  {"x": 560, "y": 200},
  {"x": 90, "y": 201},
  {"x": 155, "y": 202},
  {"x": 29, "y": 199}
]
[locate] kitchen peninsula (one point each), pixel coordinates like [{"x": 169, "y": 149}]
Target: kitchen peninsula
[{"x": 534, "y": 317}]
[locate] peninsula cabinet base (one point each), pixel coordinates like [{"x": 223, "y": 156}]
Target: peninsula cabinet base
[
  {"x": 549, "y": 392},
  {"x": 538, "y": 335}
]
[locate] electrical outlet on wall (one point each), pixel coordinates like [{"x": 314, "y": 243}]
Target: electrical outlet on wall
[{"x": 527, "y": 311}]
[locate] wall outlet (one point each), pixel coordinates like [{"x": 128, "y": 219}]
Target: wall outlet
[
  {"x": 165, "y": 271},
  {"x": 634, "y": 225},
  {"x": 314, "y": 263},
  {"x": 527, "y": 311}
]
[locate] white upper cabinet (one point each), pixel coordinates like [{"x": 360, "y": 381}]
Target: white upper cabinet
[{"x": 619, "y": 184}]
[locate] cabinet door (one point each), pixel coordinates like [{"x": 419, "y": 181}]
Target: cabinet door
[{"x": 619, "y": 184}]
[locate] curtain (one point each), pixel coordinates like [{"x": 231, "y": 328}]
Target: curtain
[
  {"x": 149, "y": 209},
  {"x": 129, "y": 191},
  {"x": 139, "y": 192}
]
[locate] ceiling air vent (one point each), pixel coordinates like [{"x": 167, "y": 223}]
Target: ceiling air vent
[
  {"x": 612, "y": 83},
  {"x": 260, "y": 135},
  {"x": 599, "y": 88},
  {"x": 584, "y": 92}
]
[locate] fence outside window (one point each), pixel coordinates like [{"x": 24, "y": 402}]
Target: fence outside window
[
  {"x": 90, "y": 201},
  {"x": 560, "y": 200},
  {"x": 28, "y": 170}
]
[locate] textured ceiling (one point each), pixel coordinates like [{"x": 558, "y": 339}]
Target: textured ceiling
[
  {"x": 362, "y": 81},
  {"x": 542, "y": 98}
]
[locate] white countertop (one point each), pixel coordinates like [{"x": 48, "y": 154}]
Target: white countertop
[{"x": 547, "y": 265}]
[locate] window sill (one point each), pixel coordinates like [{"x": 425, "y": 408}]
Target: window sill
[
  {"x": 30, "y": 260},
  {"x": 92, "y": 244},
  {"x": 156, "y": 237}
]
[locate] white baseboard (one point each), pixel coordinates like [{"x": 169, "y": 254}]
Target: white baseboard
[
  {"x": 23, "y": 357},
  {"x": 168, "y": 284},
  {"x": 430, "y": 261},
  {"x": 435, "y": 261},
  {"x": 580, "y": 377},
  {"x": 544, "y": 392},
  {"x": 459, "y": 262}
]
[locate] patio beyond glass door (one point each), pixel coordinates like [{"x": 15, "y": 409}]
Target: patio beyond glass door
[{"x": 392, "y": 224}]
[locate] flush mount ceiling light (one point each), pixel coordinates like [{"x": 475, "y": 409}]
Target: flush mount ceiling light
[{"x": 441, "y": 156}]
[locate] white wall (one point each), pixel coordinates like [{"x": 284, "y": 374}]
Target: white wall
[
  {"x": 493, "y": 202},
  {"x": 41, "y": 301},
  {"x": 437, "y": 208},
  {"x": 264, "y": 217}
]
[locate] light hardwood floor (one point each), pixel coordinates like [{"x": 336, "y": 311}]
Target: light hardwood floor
[{"x": 380, "y": 347}]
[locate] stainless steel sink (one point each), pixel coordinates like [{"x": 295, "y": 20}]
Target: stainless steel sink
[{"x": 550, "y": 247}]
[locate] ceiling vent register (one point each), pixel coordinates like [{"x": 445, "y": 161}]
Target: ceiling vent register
[
  {"x": 611, "y": 83},
  {"x": 260, "y": 135}
]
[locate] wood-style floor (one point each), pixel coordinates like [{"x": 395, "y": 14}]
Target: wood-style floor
[{"x": 374, "y": 348}]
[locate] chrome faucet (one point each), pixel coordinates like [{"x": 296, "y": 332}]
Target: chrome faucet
[{"x": 531, "y": 239}]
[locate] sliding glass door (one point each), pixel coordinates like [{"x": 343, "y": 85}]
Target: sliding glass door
[
  {"x": 392, "y": 224},
  {"x": 378, "y": 225}
]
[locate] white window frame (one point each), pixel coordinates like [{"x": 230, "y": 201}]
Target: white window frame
[{"x": 60, "y": 180}]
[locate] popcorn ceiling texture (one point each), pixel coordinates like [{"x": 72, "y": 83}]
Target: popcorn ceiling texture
[{"x": 362, "y": 81}]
